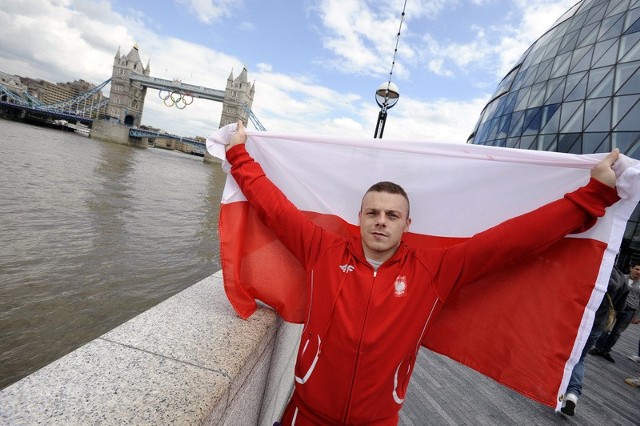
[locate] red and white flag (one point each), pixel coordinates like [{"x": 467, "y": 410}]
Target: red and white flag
[{"x": 524, "y": 326}]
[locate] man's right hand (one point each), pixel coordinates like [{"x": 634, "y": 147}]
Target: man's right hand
[{"x": 239, "y": 137}]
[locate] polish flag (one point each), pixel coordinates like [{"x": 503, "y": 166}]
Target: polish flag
[{"x": 524, "y": 326}]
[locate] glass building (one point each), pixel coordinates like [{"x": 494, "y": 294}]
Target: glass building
[{"x": 576, "y": 90}]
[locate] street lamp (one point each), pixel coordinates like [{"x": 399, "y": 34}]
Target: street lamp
[{"x": 386, "y": 97}]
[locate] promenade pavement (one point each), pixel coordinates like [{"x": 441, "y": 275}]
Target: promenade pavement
[{"x": 444, "y": 392}]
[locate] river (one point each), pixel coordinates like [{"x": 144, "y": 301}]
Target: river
[{"x": 92, "y": 234}]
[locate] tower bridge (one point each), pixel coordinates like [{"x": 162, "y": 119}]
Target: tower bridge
[
  {"x": 120, "y": 117},
  {"x": 178, "y": 86}
]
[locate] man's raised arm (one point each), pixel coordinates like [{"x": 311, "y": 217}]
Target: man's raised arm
[
  {"x": 299, "y": 234},
  {"x": 528, "y": 234}
]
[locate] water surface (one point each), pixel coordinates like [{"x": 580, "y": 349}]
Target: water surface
[{"x": 92, "y": 234}]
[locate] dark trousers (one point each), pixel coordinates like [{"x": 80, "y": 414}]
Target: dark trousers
[{"x": 606, "y": 340}]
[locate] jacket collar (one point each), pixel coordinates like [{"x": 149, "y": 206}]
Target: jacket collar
[{"x": 354, "y": 244}]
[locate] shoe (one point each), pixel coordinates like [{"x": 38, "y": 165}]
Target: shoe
[
  {"x": 634, "y": 358},
  {"x": 633, "y": 382},
  {"x": 608, "y": 357},
  {"x": 605, "y": 355},
  {"x": 569, "y": 406}
]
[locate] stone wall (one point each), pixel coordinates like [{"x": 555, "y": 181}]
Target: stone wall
[
  {"x": 210, "y": 159},
  {"x": 112, "y": 132},
  {"x": 189, "y": 360}
]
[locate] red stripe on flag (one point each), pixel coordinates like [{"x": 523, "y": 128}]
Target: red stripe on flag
[
  {"x": 524, "y": 346},
  {"x": 255, "y": 265}
]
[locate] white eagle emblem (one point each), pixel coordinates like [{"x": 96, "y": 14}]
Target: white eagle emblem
[{"x": 400, "y": 286}]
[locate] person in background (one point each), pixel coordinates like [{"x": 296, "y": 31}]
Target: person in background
[
  {"x": 606, "y": 341},
  {"x": 616, "y": 295},
  {"x": 635, "y": 321}
]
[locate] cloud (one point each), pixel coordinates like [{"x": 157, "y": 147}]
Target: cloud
[
  {"x": 247, "y": 26},
  {"x": 59, "y": 43},
  {"x": 361, "y": 36},
  {"x": 298, "y": 104},
  {"x": 495, "y": 48},
  {"x": 449, "y": 56},
  {"x": 537, "y": 16},
  {"x": 264, "y": 67},
  {"x": 210, "y": 11},
  {"x": 437, "y": 67},
  {"x": 441, "y": 120}
]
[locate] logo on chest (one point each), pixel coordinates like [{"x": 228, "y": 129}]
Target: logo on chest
[
  {"x": 346, "y": 268},
  {"x": 400, "y": 286}
]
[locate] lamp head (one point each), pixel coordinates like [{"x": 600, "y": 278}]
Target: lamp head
[{"x": 387, "y": 92}]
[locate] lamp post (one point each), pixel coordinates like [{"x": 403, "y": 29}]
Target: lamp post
[{"x": 386, "y": 97}]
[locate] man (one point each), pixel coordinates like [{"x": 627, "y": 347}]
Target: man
[
  {"x": 371, "y": 297},
  {"x": 635, "y": 358},
  {"x": 617, "y": 295},
  {"x": 626, "y": 316}
]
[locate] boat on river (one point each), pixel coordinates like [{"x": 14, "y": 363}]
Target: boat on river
[
  {"x": 79, "y": 128},
  {"x": 82, "y": 130}
]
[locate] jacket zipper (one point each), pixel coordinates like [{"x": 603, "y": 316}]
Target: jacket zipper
[{"x": 355, "y": 367}]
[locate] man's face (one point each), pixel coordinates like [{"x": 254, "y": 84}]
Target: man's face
[
  {"x": 634, "y": 273},
  {"x": 383, "y": 218}
]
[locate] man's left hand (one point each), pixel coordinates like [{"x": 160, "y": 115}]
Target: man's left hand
[{"x": 603, "y": 171}]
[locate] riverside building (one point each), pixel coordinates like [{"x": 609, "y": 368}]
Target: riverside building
[{"x": 575, "y": 90}]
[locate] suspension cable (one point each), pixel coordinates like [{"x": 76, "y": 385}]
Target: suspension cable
[{"x": 395, "y": 52}]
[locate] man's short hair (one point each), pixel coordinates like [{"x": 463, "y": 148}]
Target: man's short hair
[
  {"x": 390, "y": 188},
  {"x": 633, "y": 263}
]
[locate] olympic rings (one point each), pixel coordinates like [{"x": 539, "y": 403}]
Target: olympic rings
[{"x": 177, "y": 99}]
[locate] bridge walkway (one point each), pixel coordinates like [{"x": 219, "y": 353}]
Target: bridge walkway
[{"x": 443, "y": 392}]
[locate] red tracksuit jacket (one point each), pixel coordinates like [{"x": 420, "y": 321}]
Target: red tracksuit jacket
[{"x": 364, "y": 328}]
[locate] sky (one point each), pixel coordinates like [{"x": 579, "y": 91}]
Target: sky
[{"x": 315, "y": 64}]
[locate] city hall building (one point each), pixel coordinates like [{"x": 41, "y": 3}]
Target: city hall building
[{"x": 575, "y": 90}]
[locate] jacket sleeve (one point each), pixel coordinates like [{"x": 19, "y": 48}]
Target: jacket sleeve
[
  {"x": 525, "y": 235},
  {"x": 295, "y": 230}
]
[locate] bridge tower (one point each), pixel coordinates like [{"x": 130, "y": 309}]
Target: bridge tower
[
  {"x": 238, "y": 93},
  {"x": 126, "y": 98}
]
